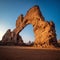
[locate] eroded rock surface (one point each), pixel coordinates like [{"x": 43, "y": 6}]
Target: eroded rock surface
[
  {"x": 10, "y": 38},
  {"x": 45, "y": 34}
]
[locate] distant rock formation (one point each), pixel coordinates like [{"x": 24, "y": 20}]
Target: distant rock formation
[{"x": 45, "y": 34}]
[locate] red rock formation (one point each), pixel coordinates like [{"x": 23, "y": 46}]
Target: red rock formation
[
  {"x": 45, "y": 34},
  {"x": 10, "y": 38}
]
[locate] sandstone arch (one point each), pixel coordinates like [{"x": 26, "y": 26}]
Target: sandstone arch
[
  {"x": 44, "y": 31},
  {"x": 32, "y": 17}
]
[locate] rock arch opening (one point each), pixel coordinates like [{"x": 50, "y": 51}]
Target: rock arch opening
[{"x": 27, "y": 34}]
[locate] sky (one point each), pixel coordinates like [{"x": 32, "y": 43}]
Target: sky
[{"x": 11, "y": 9}]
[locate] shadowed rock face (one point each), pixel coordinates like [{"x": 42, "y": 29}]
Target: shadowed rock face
[
  {"x": 10, "y": 38},
  {"x": 45, "y": 34}
]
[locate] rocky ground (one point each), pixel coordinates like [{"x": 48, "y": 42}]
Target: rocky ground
[{"x": 28, "y": 53}]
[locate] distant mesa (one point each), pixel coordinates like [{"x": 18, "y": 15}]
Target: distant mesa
[{"x": 45, "y": 33}]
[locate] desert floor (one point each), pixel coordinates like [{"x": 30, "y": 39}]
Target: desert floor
[{"x": 28, "y": 53}]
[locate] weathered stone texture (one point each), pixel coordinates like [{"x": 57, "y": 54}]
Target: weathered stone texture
[
  {"x": 10, "y": 38},
  {"x": 45, "y": 34}
]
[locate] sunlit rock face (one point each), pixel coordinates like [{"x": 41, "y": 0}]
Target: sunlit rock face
[{"x": 45, "y": 34}]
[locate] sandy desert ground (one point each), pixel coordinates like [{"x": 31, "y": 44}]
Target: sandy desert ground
[{"x": 28, "y": 53}]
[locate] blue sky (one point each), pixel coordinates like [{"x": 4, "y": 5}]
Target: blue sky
[{"x": 11, "y": 9}]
